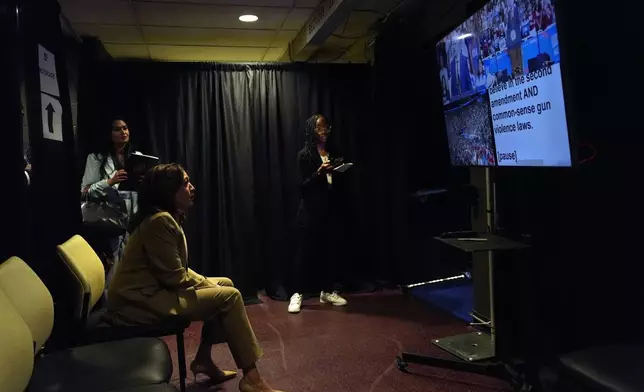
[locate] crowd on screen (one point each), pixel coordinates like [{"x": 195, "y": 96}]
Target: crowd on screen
[
  {"x": 499, "y": 28},
  {"x": 498, "y": 17},
  {"x": 470, "y": 134}
]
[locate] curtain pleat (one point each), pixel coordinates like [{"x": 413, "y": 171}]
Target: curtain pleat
[{"x": 237, "y": 128}]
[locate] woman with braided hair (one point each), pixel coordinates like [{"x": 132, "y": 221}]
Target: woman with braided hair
[{"x": 316, "y": 217}]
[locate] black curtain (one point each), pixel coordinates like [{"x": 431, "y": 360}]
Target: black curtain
[
  {"x": 237, "y": 129},
  {"x": 14, "y": 241},
  {"x": 46, "y": 213},
  {"x": 412, "y": 138}
]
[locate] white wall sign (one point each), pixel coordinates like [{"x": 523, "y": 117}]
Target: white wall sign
[
  {"x": 48, "y": 77},
  {"x": 52, "y": 115},
  {"x": 52, "y": 110}
]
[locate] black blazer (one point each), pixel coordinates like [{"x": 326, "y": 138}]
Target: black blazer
[{"x": 315, "y": 203}]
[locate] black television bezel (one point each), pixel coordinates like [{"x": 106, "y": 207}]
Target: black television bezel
[{"x": 566, "y": 76}]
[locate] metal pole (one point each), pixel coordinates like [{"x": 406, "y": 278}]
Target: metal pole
[
  {"x": 490, "y": 204},
  {"x": 441, "y": 280}
]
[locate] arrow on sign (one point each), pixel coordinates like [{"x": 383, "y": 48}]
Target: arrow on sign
[{"x": 50, "y": 117}]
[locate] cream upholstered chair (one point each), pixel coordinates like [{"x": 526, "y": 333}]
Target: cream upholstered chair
[
  {"x": 30, "y": 298},
  {"x": 87, "y": 273},
  {"x": 98, "y": 367},
  {"x": 89, "y": 277},
  {"x": 17, "y": 352},
  {"x": 17, "y": 356}
]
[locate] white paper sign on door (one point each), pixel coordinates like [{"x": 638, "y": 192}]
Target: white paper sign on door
[
  {"x": 48, "y": 76},
  {"x": 52, "y": 115},
  {"x": 52, "y": 110}
]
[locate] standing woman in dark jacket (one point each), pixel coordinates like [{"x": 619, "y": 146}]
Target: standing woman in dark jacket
[{"x": 316, "y": 217}]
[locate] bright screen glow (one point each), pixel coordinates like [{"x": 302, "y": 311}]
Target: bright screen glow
[{"x": 501, "y": 84}]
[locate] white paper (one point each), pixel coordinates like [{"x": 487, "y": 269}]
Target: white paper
[
  {"x": 48, "y": 76},
  {"x": 344, "y": 167},
  {"x": 52, "y": 114},
  {"x": 139, "y": 153}
]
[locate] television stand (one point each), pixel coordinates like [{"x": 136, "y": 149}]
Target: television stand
[
  {"x": 475, "y": 352},
  {"x": 483, "y": 368},
  {"x": 496, "y": 369}
]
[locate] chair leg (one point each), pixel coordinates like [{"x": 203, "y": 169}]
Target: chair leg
[{"x": 181, "y": 359}]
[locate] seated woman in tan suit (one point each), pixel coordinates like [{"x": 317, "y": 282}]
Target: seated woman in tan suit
[{"x": 153, "y": 280}]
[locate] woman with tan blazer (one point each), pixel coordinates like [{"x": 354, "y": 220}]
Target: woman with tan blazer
[{"x": 153, "y": 281}]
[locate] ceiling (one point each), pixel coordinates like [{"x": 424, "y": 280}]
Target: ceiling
[{"x": 209, "y": 30}]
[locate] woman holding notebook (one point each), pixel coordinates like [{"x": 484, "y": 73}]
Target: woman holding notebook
[
  {"x": 104, "y": 175},
  {"x": 316, "y": 216}
]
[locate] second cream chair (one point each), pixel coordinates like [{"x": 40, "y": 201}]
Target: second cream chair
[
  {"x": 98, "y": 367},
  {"x": 89, "y": 278}
]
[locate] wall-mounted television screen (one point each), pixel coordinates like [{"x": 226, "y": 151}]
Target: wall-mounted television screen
[{"x": 502, "y": 90}]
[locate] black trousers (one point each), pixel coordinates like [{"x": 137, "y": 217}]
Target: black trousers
[{"x": 316, "y": 263}]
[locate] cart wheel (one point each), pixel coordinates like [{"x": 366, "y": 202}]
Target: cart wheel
[{"x": 402, "y": 365}]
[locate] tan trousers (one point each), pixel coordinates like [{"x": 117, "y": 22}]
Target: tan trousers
[{"x": 223, "y": 307}]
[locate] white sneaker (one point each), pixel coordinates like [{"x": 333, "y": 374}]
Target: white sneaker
[
  {"x": 332, "y": 298},
  {"x": 296, "y": 303}
]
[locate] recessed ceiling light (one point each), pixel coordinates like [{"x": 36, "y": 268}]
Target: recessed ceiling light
[{"x": 248, "y": 18}]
